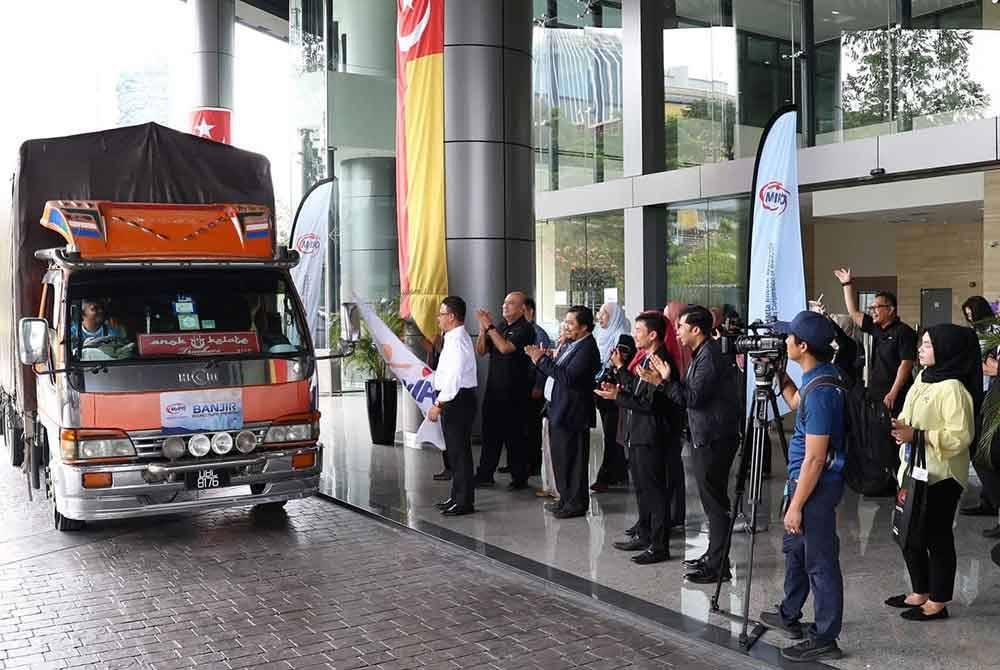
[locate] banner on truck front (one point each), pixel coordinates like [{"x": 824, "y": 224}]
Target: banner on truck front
[{"x": 417, "y": 378}]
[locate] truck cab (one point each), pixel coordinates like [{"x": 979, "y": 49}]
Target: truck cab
[{"x": 172, "y": 363}]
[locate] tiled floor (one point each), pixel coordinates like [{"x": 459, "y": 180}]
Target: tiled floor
[{"x": 396, "y": 482}]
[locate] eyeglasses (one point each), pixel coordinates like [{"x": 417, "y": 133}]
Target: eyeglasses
[
  {"x": 443, "y": 313},
  {"x": 872, "y": 308}
]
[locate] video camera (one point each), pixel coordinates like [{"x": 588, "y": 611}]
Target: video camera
[{"x": 759, "y": 340}]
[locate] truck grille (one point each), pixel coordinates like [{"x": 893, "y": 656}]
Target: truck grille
[{"x": 149, "y": 443}]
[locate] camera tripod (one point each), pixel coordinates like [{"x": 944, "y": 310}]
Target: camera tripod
[{"x": 749, "y": 480}]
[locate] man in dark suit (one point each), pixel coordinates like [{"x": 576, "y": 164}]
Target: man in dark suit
[
  {"x": 653, "y": 425},
  {"x": 569, "y": 386}
]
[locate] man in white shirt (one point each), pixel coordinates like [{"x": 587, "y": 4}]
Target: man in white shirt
[{"x": 455, "y": 383}]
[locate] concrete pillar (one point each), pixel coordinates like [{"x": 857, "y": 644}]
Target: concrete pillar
[
  {"x": 368, "y": 241},
  {"x": 214, "y": 33},
  {"x": 488, "y": 155},
  {"x": 644, "y": 148},
  {"x": 991, "y": 236}
]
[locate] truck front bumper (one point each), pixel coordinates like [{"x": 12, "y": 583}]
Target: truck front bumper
[{"x": 149, "y": 489}]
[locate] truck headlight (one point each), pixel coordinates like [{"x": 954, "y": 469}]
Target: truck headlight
[
  {"x": 298, "y": 428},
  {"x": 199, "y": 445},
  {"x": 174, "y": 447},
  {"x": 222, "y": 443},
  {"x": 245, "y": 441},
  {"x": 95, "y": 444}
]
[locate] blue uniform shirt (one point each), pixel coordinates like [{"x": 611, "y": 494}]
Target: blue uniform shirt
[{"x": 821, "y": 413}]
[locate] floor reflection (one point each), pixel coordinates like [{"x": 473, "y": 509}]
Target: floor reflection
[{"x": 396, "y": 482}]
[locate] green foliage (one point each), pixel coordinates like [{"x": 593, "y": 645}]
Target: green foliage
[
  {"x": 366, "y": 357},
  {"x": 911, "y": 73}
]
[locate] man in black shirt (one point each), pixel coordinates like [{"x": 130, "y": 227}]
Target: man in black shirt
[
  {"x": 894, "y": 345},
  {"x": 508, "y": 391}
]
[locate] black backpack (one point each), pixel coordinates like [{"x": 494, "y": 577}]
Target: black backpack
[{"x": 870, "y": 453}]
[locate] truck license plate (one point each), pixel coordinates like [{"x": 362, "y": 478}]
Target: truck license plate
[{"x": 207, "y": 479}]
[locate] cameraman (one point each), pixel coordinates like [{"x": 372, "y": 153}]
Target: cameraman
[
  {"x": 653, "y": 430},
  {"x": 710, "y": 392},
  {"x": 815, "y": 486}
]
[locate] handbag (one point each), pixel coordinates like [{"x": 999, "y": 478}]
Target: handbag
[{"x": 910, "y": 511}]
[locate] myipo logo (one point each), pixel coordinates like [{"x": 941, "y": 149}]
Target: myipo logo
[
  {"x": 308, "y": 244},
  {"x": 774, "y": 197},
  {"x": 176, "y": 408}
]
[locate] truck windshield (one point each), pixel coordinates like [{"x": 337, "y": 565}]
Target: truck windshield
[{"x": 159, "y": 314}]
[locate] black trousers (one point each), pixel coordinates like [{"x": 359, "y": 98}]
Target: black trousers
[
  {"x": 676, "y": 485},
  {"x": 648, "y": 463},
  {"x": 456, "y": 423},
  {"x": 534, "y": 448},
  {"x": 614, "y": 468},
  {"x": 712, "y": 463},
  {"x": 570, "y": 458},
  {"x": 932, "y": 566},
  {"x": 504, "y": 424}
]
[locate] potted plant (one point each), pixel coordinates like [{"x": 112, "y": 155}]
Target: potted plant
[{"x": 380, "y": 386}]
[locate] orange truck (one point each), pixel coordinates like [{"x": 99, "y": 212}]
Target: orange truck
[{"x": 165, "y": 364}]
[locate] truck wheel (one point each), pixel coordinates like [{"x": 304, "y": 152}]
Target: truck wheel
[
  {"x": 14, "y": 437},
  {"x": 269, "y": 512},
  {"x": 62, "y": 523}
]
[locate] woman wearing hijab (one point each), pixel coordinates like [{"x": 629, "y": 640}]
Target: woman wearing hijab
[
  {"x": 611, "y": 325},
  {"x": 938, "y": 410}
]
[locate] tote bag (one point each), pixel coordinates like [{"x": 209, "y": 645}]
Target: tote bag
[{"x": 911, "y": 499}]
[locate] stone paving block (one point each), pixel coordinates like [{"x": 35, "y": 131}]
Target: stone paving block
[{"x": 327, "y": 589}]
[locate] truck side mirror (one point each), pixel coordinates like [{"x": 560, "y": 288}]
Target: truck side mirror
[
  {"x": 350, "y": 323},
  {"x": 33, "y": 341}
]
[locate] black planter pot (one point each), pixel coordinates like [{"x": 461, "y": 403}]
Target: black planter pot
[{"x": 381, "y": 397}]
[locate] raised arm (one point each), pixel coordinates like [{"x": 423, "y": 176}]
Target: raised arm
[{"x": 850, "y": 299}]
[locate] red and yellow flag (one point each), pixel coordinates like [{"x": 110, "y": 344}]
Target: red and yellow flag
[{"x": 423, "y": 266}]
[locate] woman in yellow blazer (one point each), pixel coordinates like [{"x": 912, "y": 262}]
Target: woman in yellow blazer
[{"x": 939, "y": 405}]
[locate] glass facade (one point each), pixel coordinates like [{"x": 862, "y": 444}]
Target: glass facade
[
  {"x": 706, "y": 253},
  {"x": 577, "y": 93},
  {"x": 344, "y": 81},
  {"x": 580, "y": 261}
]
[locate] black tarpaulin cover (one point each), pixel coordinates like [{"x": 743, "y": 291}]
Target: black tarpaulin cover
[{"x": 147, "y": 163}]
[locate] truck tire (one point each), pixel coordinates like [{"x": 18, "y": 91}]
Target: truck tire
[
  {"x": 14, "y": 437},
  {"x": 64, "y": 524}
]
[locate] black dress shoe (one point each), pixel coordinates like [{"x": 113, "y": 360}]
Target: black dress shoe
[
  {"x": 899, "y": 602},
  {"x": 706, "y": 576},
  {"x": 792, "y": 631},
  {"x": 505, "y": 469},
  {"x": 458, "y": 510},
  {"x": 978, "y": 510},
  {"x": 599, "y": 487},
  {"x": 992, "y": 533},
  {"x": 444, "y": 504},
  {"x": 568, "y": 513},
  {"x": 443, "y": 476},
  {"x": 633, "y": 531},
  {"x": 695, "y": 563},
  {"x": 917, "y": 614},
  {"x": 650, "y": 556},
  {"x": 552, "y": 506},
  {"x": 517, "y": 486},
  {"x": 635, "y": 544}
]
